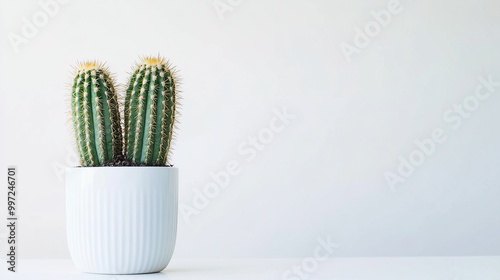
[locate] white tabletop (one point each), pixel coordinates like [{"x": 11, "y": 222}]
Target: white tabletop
[{"x": 425, "y": 268}]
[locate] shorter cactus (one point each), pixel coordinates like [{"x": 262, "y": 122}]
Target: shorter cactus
[
  {"x": 150, "y": 112},
  {"x": 96, "y": 116}
]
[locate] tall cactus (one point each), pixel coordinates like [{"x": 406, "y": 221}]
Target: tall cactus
[
  {"x": 96, "y": 117},
  {"x": 150, "y": 112}
]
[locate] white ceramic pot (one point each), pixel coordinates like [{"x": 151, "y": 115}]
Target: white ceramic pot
[{"x": 121, "y": 220}]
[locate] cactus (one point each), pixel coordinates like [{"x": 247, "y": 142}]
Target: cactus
[
  {"x": 150, "y": 112},
  {"x": 96, "y": 116}
]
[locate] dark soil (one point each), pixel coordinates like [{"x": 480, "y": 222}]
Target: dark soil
[{"x": 122, "y": 161}]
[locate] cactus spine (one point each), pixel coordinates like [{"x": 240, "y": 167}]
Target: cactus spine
[
  {"x": 96, "y": 117},
  {"x": 150, "y": 111}
]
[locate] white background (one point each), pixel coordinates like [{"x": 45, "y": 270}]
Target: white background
[{"x": 323, "y": 174}]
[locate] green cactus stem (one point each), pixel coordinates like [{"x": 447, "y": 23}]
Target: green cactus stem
[
  {"x": 96, "y": 117},
  {"x": 150, "y": 112}
]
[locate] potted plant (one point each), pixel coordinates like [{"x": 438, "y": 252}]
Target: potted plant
[{"x": 121, "y": 202}]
